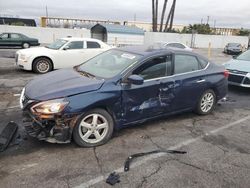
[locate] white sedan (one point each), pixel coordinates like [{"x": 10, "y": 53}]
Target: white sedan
[
  {"x": 174, "y": 45},
  {"x": 63, "y": 53}
]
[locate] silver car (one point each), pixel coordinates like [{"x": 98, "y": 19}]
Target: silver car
[{"x": 239, "y": 70}]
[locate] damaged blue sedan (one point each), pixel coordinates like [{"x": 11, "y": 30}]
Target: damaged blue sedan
[{"x": 118, "y": 88}]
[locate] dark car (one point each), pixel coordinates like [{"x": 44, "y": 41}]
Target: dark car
[
  {"x": 233, "y": 48},
  {"x": 118, "y": 88},
  {"x": 17, "y": 39}
]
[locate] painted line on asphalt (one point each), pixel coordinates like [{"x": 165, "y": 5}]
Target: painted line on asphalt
[
  {"x": 11, "y": 107},
  {"x": 151, "y": 157}
]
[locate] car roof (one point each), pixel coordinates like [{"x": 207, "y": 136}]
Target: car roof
[
  {"x": 152, "y": 50},
  {"x": 11, "y": 33},
  {"x": 81, "y": 39}
]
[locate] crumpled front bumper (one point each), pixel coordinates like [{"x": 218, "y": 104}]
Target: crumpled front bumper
[{"x": 54, "y": 129}]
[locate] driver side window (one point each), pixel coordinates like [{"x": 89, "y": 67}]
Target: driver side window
[
  {"x": 155, "y": 68},
  {"x": 75, "y": 45},
  {"x": 4, "y": 36}
]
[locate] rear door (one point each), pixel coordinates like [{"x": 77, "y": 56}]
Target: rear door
[
  {"x": 190, "y": 81},
  {"x": 91, "y": 49},
  {"x": 152, "y": 97},
  {"x": 16, "y": 39}
]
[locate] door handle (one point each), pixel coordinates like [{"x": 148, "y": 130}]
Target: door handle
[{"x": 200, "y": 81}]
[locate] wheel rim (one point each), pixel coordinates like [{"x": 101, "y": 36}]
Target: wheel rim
[
  {"x": 207, "y": 102},
  {"x": 43, "y": 66},
  {"x": 93, "y": 128},
  {"x": 25, "y": 45}
]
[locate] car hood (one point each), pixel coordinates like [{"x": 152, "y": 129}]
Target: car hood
[
  {"x": 61, "y": 83},
  {"x": 240, "y": 65},
  {"x": 35, "y": 50}
]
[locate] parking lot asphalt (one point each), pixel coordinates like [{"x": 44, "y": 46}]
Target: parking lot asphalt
[{"x": 217, "y": 145}]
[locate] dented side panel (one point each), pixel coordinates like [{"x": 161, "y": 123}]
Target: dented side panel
[{"x": 150, "y": 99}]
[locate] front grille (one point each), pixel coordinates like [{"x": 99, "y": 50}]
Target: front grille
[
  {"x": 237, "y": 72},
  {"x": 247, "y": 81},
  {"x": 235, "y": 78}
]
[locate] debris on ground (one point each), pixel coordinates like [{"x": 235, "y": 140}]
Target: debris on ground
[
  {"x": 113, "y": 178},
  {"x": 7, "y": 135},
  {"x": 131, "y": 157}
]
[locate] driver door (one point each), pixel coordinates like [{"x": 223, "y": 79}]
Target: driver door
[
  {"x": 70, "y": 55},
  {"x": 152, "y": 97}
]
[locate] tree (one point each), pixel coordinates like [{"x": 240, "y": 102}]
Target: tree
[
  {"x": 243, "y": 32},
  {"x": 163, "y": 14},
  {"x": 170, "y": 17},
  {"x": 198, "y": 28}
]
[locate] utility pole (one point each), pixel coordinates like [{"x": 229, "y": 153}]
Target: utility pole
[
  {"x": 208, "y": 17},
  {"x": 134, "y": 19},
  {"x": 46, "y": 11},
  {"x": 201, "y": 21}
]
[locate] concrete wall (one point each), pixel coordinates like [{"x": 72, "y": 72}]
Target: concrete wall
[
  {"x": 45, "y": 35},
  {"x": 125, "y": 39},
  {"x": 201, "y": 41}
]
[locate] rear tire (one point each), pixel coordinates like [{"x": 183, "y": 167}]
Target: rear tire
[
  {"x": 42, "y": 65},
  {"x": 25, "y": 45},
  {"x": 206, "y": 103},
  {"x": 93, "y": 129}
]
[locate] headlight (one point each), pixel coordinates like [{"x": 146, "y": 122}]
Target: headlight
[
  {"x": 50, "y": 107},
  {"x": 24, "y": 57}
]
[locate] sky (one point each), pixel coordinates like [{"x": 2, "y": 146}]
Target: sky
[{"x": 222, "y": 13}]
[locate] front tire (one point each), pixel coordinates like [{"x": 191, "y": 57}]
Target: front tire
[
  {"x": 93, "y": 129},
  {"x": 42, "y": 65},
  {"x": 206, "y": 103}
]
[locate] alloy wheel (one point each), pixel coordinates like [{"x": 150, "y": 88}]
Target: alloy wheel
[
  {"x": 43, "y": 66},
  {"x": 207, "y": 102},
  {"x": 93, "y": 128}
]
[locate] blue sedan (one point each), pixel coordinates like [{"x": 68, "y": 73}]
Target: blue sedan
[{"x": 118, "y": 88}]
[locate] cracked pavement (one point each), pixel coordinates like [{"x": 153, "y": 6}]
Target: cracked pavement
[{"x": 221, "y": 159}]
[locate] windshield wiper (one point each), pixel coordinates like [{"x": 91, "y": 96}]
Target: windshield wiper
[{"x": 84, "y": 73}]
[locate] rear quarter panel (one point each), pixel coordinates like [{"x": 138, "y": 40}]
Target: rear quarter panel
[{"x": 216, "y": 80}]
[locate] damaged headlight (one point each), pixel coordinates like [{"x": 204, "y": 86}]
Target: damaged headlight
[{"x": 50, "y": 107}]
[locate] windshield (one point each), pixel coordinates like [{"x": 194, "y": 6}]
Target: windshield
[
  {"x": 234, "y": 44},
  {"x": 109, "y": 63},
  {"x": 244, "y": 56},
  {"x": 57, "y": 44}
]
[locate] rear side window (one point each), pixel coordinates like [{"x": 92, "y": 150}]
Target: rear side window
[
  {"x": 185, "y": 63},
  {"x": 14, "y": 36},
  {"x": 91, "y": 44},
  {"x": 203, "y": 63}
]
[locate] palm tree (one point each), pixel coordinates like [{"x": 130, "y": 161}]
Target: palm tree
[
  {"x": 163, "y": 14},
  {"x": 153, "y": 15},
  {"x": 172, "y": 17}
]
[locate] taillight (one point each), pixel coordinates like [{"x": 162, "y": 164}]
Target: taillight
[{"x": 226, "y": 73}]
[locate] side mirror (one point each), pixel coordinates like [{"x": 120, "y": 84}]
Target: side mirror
[
  {"x": 135, "y": 79},
  {"x": 234, "y": 56},
  {"x": 65, "y": 47}
]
